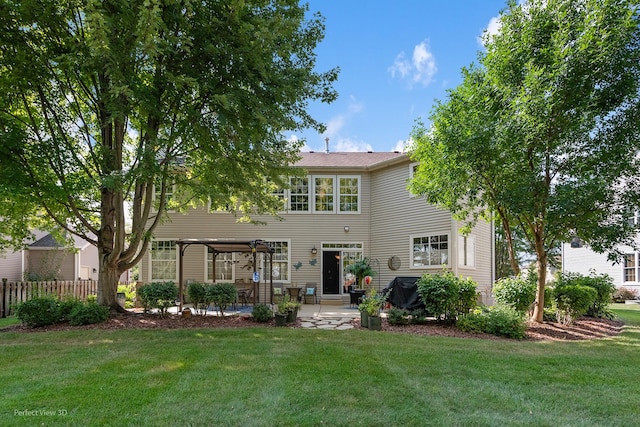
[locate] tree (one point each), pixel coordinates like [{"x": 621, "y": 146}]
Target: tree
[
  {"x": 112, "y": 112},
  {"x": 543, "y": 133}
]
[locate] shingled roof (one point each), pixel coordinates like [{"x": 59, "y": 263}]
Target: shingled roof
[{"x": 357, "y": 160}]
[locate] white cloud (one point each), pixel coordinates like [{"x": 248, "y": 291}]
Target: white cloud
[
  {"x": 493, "y": 28},
  {"x": 421, "y": 68},
  {"x": 348, "y": 145},
  {"x": 401, "y": 145},
  {"x": 355, "y": 106},
  {"x": 334, "y": 125}
]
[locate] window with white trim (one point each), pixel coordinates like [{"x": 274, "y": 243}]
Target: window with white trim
[
  {"x": 164, "y": 260},
  {"x": 349, "y": 194},
  {"x": 467, "y": 251},
  {"x": 299, "y": 194},
  {"x": 429, "y": 250},
  {"x": 630, "y": 268},
  {"x": 280, "y": 262},
  {"x": 168, "y": 196},
  {"x": 225, "y": 266},
  {"x": 323, "y": 187}
]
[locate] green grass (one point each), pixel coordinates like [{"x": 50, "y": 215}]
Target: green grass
[{"x": 297, "y": 377}]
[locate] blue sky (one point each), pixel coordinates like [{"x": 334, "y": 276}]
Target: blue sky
[{"x": 397, "y": 57}]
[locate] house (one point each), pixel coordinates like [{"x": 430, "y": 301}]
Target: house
[
  {"x": 577, "y": 257},
  {"x": 348, "y": 206},
  {"x": 46, "y": 259}
]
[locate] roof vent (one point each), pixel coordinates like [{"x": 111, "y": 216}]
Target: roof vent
[{"x": 326, "y": 144}]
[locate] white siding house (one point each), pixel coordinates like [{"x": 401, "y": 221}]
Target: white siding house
[
  {"x": 349, "y": 206},
  {"x": 583, "y": 260}
]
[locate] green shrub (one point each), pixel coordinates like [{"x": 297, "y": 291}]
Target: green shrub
[
  {"x": 66, "y": 306},
  {"x": 446, "y": 296},
  {"x": 506, "y": 322},
  {"x": 623, "y": 294},
  {"x": 261, "y": 313},
  {"x": 476, "y": 321},
  {"x": 221, "y": 295},
  {"x": 198, "y": 297},
  {"x": 160, "y": 295},
  {"x": 398, "y": 316},
  {"x": 87, "y": 314},
  {"x": 572, "y": 301},
  {"x": 603, "y": 285},
  {"x": 518, "y": 293},
  {"x": 500, "y": 320},
  {"x": 418, "y": 317},
  {"x": 42, "y": 311}
]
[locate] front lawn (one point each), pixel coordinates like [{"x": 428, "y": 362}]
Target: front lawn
[{"x": 301, "y": 377}]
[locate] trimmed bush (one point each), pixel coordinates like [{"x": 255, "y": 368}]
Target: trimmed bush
[
  {"x": 518, "y": 293},
  {"x": 87, "y": 314},
  {"x": 160, "y": 295},
  {"x": 221, "y": 295},
  {"x": 502, "y": 321},
  {"x": 447, "y": 296},
  {"x": 37, "y": 312},
  {"x": 602, "y": 284},
  {"x": 398, "y": 316},
  {"x": 418, "y": 317},
  {"x": 261, "y": 313},
  {"x": 66, "y": 306},
  {"x": 198, "y": 296},
  {"x": 573, "y": 301}
]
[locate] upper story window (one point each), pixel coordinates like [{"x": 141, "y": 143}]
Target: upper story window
[
  {"x": 630, "y": 269},
  {"x": 168, "y": 196},
  {"x": 299, "y": 194},
  {"x": 323, "y": 187},
  {"x": 325, "y": 194},
  {"x": 164, "y": 260},
  {"x": 349, "y": 194},
  {"x": 429, "y": 250}
]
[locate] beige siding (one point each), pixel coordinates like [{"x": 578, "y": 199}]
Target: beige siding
[
  {"x": 389, "y": 215},
  {"x": 47, "y": 262},
  {"x": 396, "y": 215},
  {"x": 11, "y": 266}
]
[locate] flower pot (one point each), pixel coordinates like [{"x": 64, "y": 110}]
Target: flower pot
[
  {"x": 281, "y": 319},
  {"x": 364, "y": 319},
  {"x": 291, "y": 316},
  {"x": 375, "y": 323}
]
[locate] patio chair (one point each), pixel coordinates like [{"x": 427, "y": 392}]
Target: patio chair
[
  {"x": 311, "y": 293},
  {"x": 246, "y": 296}
]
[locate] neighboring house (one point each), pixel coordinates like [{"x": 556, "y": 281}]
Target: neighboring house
[
  {"x": 46, "y": 259},
  {"x": 579, "y": 258},
  {"x": 349, "y": 206}
]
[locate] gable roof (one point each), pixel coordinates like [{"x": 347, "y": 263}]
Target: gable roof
[
  {"x": 353, "y": 160},
  {"x": 48, "y": 241}
]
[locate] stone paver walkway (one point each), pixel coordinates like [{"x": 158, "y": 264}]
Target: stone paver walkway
[{"x": 338, "y": 323}]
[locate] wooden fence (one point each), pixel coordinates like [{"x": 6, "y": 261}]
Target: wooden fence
[{"x": 15, "y": 292}]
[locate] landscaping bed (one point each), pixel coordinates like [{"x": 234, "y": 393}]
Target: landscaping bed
[{"x": 583, "y": 329}]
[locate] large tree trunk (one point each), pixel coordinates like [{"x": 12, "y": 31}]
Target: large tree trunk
[
  {"x": 541, "y": 263},
  {"x": 108, "y": 284}
]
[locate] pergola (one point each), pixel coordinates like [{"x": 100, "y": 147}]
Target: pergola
[{"x": 219, "y": 246}]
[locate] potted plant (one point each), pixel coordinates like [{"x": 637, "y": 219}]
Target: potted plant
[
  {"x": 361, "y": 268},
  {"x": 292, "y": 307},
  {"x": 281, "y": 313},
  {"x": 373, "y": 304}
]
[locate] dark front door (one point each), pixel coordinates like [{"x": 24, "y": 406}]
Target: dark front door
[{"x": 330, "y": 272}]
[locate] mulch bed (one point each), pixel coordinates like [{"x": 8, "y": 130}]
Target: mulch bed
[{"x": 583, "y": 329}]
